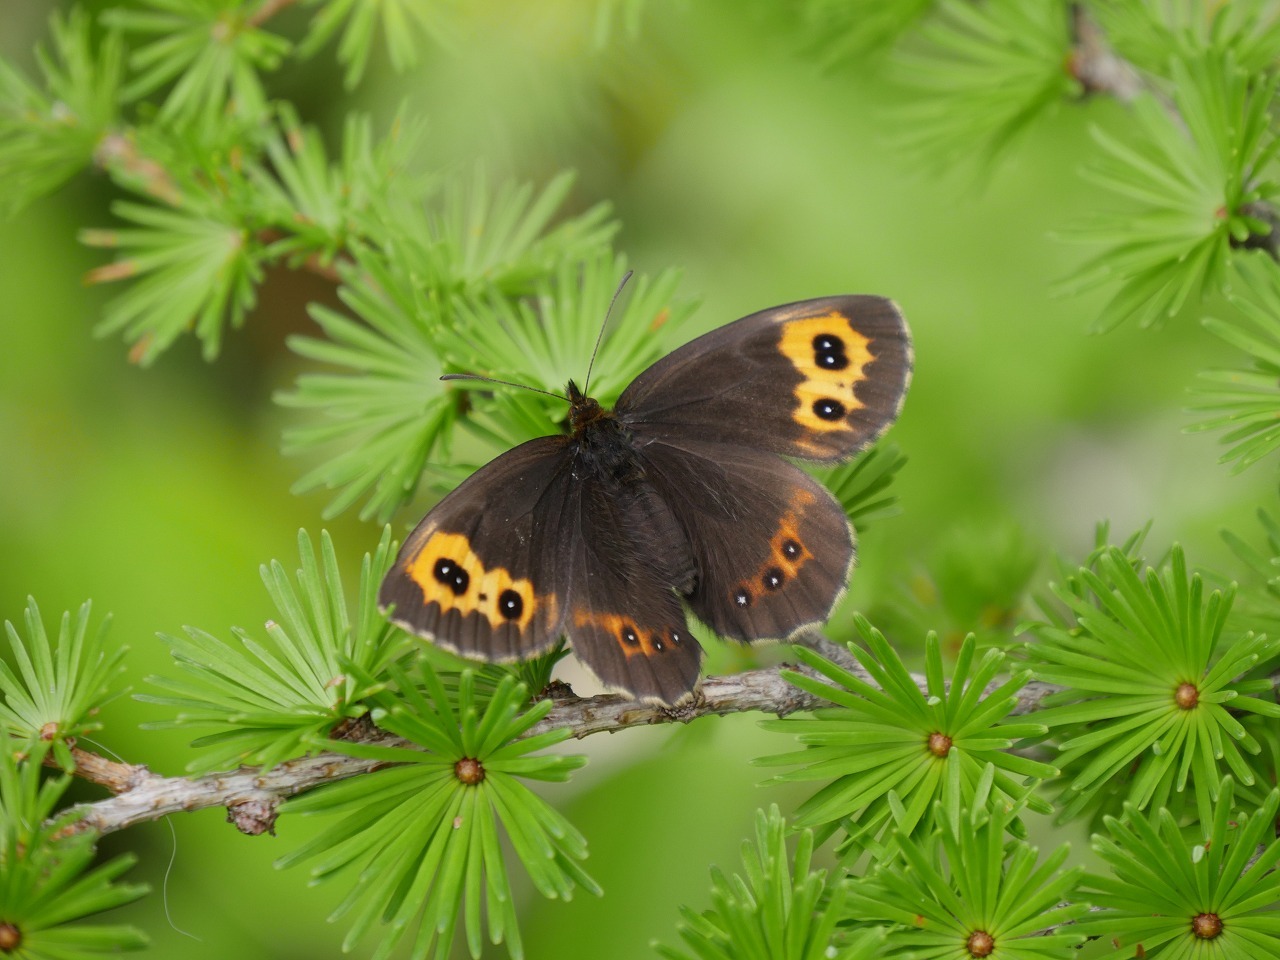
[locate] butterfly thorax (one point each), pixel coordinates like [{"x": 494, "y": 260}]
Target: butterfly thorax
[{"x": 603, "y": 444}]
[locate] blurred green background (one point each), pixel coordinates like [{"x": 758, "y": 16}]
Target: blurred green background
[{"x": 728, "y": 153}]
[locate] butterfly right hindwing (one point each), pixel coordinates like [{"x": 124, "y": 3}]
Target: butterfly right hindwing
[{"x": 773, "y": 547}]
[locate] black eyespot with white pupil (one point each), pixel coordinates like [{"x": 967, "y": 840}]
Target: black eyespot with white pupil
[
  {"x": 791, "y": 549},
  {"x": 451, "y": 574},
  {"x": 827, "y": 408},
  {"x": 510, "y": 604},
  {"x": 742, "y": 597},
  {"x": 630, "y": 637},
  {"x": 829, "y": 353},
  {"x": 773, "y": 578},
  {"x": 675, "y": 637}
]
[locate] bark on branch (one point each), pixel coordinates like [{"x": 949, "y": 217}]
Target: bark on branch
[{"x": 251, "y": 796}]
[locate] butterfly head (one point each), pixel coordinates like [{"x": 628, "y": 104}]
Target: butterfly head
[{"x": 583, "y": 410}]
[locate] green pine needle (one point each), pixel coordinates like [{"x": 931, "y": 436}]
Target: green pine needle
[
  {"x": 1245, "y": 402},
  {"x": 1169, "y": 899},
  {"x": 478, "y": 238},
  {"x": 386, "y": 413},
  {"x": 193, "y": 267},
  {"x": 425, "y": 835},
  {"x": 985, "y": 74},
  {"x": 57, "y": 690},
  {"x": 863, "y": 484},
  {"x": 1155, "y": 680},
  {"x": 850, "y": 31},
  {"x": 268, "y": 704},
  {"x": 889, "y": 751},
  {"x": 48, "y": 135},
  {"x": 434, "y": 297},
  {"x": 547, "y": 340},
  {"x": 320, "y": 208},
  {"x": 1259, "y": 598},
  {"x": 211, "y": 47},
  {"x": 780, "y": 909},
  {"x": 405, "y": 25},
  {"x": 967, "y": 893},
  {"x": 49, "y": 882},
  {"x": 1147, "y": 33},
  {"x": 1187, "y": 186}
]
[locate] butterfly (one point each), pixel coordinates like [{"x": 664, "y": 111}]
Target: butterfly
[{"x": 678, "y": 497}]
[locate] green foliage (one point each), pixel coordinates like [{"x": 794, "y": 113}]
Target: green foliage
[
  {"x": 1150, "y": 669},
  {"x": 49, "y": 133},
  {"x": 57, "y": 691},
  {"x": 862, "y": 485},
  {"x": 986, "y": 73},
  {"x": 781, "y": 909},
  {"x": 199, "y": 267},
  {"x": 1148, "y": 33},
  {"x": 390, "y": 416},
  {"x": 1189, "y": 189},
  {"x": 198, "y": 255},
  {"x": 212, "y": 48},
  {"x": 386, "y": 414},
  {"x": 267, "y": 705},
  {"x": 976, "y": 581},
  {"x": 405, "y": 24},
  {"x": 479, "y": 239},
  {"x": 848, "y": 30},
  {"x": 888, "y": 751},
  {"x": 319, "y": 208},
  {"x": 1169, "y": 898},
  {"x": 968, "y": 892},
  {"x": 48, "y": 880},
  {"x": 424, "y": 833},
  {"x": 1259, "y": 597},
  {"x": 1246, "y": 402},
  {"x": 1165, "y": 688}
]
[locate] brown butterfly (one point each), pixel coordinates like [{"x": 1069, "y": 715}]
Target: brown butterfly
[{"x": 678, "y": 497}]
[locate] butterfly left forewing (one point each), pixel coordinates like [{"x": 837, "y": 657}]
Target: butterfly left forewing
[
  {"x": 819, "y": 379},
  {"x": 482, "y": 575}
]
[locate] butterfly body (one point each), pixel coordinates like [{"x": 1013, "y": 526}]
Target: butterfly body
[{"x": 680, "y": 496}]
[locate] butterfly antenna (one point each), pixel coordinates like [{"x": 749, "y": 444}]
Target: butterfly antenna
[
  {"x": 600, "y": 336},
  {"x": 505, "y": 383}
]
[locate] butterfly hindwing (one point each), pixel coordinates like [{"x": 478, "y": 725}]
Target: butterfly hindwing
[
  {"x": 624, "y": 618},
  {"x": 772, "y": 546},
  {"x": 819, "y": 379},
  {"x": 483, "y": 574}
]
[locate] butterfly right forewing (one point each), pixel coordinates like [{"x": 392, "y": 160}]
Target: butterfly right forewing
[{"x": 819, "y": 379}]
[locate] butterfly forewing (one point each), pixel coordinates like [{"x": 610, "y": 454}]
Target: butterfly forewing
[
  {"x": 819, "y": 379},
  {"x": 483, "y": 574}
]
